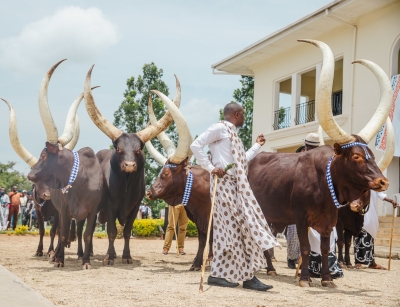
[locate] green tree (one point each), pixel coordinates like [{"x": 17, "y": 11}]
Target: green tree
[
  {"x": 10, "y": 177},
  {"x": 132, "y": 117}
]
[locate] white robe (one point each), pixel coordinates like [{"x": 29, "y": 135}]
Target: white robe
[
  {"x": 371, "y": 220},
  {"x": 315, "y": 240}
]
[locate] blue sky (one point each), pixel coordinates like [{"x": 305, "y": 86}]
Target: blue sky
[{"x": 182, "y": 37}]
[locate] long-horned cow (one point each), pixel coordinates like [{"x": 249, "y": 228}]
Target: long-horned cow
[
  {"x": 122, "y": 171},
  {"x": 74, "y": 178},
  {"x": 307, "y": 188}
]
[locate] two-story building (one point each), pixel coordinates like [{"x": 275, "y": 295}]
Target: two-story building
[{"x": 286, "y": 71}]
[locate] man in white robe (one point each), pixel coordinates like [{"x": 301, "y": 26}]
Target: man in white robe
[
  {"x": 364, "y": 242},
  {"x": 240, "y": 231}
]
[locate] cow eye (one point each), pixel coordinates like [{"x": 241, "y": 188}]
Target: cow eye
[
  {"x": 138, "y": 152},
  {"x": 119, "y": 149}
]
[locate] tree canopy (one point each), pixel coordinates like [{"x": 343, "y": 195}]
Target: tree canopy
[
  {"x": 10, "y": 177},
  {"x": 132, "y": 116}
]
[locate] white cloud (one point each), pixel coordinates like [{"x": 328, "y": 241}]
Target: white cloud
[
  {"x": 200, "y": 114},
  {"x": 72, "y": 32}
]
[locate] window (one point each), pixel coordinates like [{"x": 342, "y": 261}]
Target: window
[{"x": 282, "y": 112}]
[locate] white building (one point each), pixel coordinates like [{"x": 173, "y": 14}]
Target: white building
[{"x": 286, "y": 71}]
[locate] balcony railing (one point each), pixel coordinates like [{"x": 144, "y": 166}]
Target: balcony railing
[
  {"x": 282, "y": 118},
  {"x": 305, "y": 112}
]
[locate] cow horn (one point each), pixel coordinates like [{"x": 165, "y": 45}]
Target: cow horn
[
  {"x": 324, "y": 95},
  {"x": 321, "y": 136},
  {"x": 69, "y": 128},
  {"x": 162, "y": 137},
  {"x": 14, "y": 139},
  {"x": 390, "y": 147},
  {"x": 71, "y": 145},
  {"x": 98, "y": 119},
  {"x": 151, "y": 131},
  {"x": 159, "y": 158},
  {"x": 385, "y": 103},
  {"x": 185, "y": 138},
  {"x": 45, "y": 114}
]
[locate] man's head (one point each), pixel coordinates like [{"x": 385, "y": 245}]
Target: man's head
[
  {"x": 234, "y": 113},
  {"x": 24, "y": 192},
  {"x": 15, "y": 188},
  {"x": 311, "y": 141},
  {"x": 2, "y": 190},
  {"x": 301, "y": 149}
]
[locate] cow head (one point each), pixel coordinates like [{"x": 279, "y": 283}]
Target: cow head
[
  {"x": 128, "y": 147},
  {"x": 42, "y": 192},
  {"x": 354, "y": 165},
  {"x": 170, "y": 183},
  {"x": 128, "y": 152}
]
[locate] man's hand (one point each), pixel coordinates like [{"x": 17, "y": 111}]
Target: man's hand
[
  {"x": 218, "y": 171},
  {"x": 260, "y": 139},
  {"x": 389, "y": 200}
]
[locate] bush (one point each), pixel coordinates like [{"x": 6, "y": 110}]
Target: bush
[
  {"x": 191, "y": 230},
  {"x": 147, "y": 227},
  {"x": 21, "y": 230},
  {"x": 100, "y": 235}
]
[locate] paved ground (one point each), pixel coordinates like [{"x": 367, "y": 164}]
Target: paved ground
[{"x": 16, "y": 293}]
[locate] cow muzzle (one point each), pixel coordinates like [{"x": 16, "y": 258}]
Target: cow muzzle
[
  {"x": 379, "y": 184},
  {"x": 129, "y": 167}
]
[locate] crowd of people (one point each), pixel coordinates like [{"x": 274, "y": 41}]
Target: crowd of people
[{"x": 16, "y": 206}]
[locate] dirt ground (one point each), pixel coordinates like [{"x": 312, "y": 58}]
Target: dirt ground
[{"x": 158, "y": 280}]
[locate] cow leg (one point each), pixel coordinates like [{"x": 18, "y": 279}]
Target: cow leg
[
  {"x": 112, "y": 234},
  {"x": 302, "y": 232},
  {"x": 270, "y": 268},
  {"x": 88, "y": 239},
  {"x": 91, "y": 241},
  {"x": 53, "y": 232},
  {"x": 347, "y": 239},
  {"x": 64, "y": 233},
  {"x": 79, "y": 232},
  {"x": 39, "y": 251},
  {"x": 340, "y": 244},
  {"x": 126, "y": 255},
  {"x": 198, "y": 260},
  {"x": 325, "y": 274}
]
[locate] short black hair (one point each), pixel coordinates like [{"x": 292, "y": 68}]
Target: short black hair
[
  {"x": 300, "y": 149},
  {"x": 232, "y": 107}
]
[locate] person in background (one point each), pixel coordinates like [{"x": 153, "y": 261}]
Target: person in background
[
  {"x": 15, "y": 201},
  {"x": 29, "y": 205},
  {"x": 145, "y": 210},
  {"x": 179, "y": 213},
  {"x": 4, "y": 201},
  {"x": 30, "y": 212},
  {"x": 22, "y": 207}
]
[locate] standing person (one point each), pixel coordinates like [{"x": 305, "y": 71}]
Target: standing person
[
  {"x": 22, "y": 207},
  {"x": 15, "y": 201},
  {"x": 364, "y": 242},
  {"x": 29, "y": 206},
  {"x": 241, "y": 233},
  {"x": 145, "y": 210},
  {"x": 181, "y": 218},
  {"x": 4, "y": 201},
  {"x": 293, "y": 243}
]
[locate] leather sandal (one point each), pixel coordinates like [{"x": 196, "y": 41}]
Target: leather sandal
[{"x": 181, "y": 252}]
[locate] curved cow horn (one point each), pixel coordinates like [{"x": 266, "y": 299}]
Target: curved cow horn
[
  {"x": 162, "y": 137},
  {"x": 321, "y": 136},
  {"x": 324, "y": 95},
  {"x": 390, "y": 147},
  {"x": 151, "y": 131},
  {"x": 14, "y": 139},
  {"x": 183, "y": 130},
  {"x": 69, "y": 128},
  {"x": 71, "y": 145},
  {"x": 98, "y": 119},
  {"x": 159, "y": 158},
  {"x": 385, "y": 103},
  {"x": 45, "y": 114}
]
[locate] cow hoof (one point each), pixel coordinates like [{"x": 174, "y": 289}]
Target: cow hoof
[
  {"x": 59, "y": 265},
  {"x": 272, "y": 273},
  {"x": 108, "y": 262},
  {"x": 86, "y": 266},
  {"x": 273, "y": 259},
  {"x": 51, "y": 254},
  {"x": 342, "y": 265},
  {"x": 194, "y": 268},
  {"x": 38, "y": 254},
  {"x": 328, "y": 284},
  {"x": 127, "y": 261},
  {"x": 305, "y": 283}
]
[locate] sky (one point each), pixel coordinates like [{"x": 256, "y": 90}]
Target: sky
[{"x": 181, "y": 37}]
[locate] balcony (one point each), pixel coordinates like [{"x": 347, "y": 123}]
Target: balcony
[{"x": 305, "y": 112}]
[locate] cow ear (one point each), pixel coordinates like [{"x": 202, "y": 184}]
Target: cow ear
[
  {"x": 338, "y": 149},
  {"x": 51, "y": 148}
]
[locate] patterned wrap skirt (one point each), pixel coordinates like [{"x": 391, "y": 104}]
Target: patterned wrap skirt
[{"x": 364, "y": 248}]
